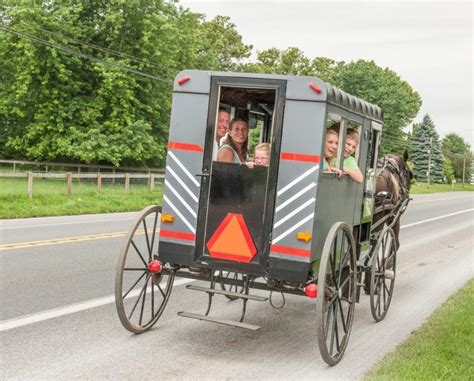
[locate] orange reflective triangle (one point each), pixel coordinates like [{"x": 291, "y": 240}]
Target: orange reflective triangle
[{"x": 232, "y": 240}]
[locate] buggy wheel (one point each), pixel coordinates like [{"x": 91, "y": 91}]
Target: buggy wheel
[
  {"x": 141, "y": 294},
  {"x": 238, "y": 277},
  {"x": 382, "y": 273},
  {"x": 336, "y": 293}
]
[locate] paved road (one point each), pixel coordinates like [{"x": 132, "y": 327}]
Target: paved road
[{"x": 58, "y": 320}]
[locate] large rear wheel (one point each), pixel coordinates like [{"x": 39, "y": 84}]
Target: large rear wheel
[
  {"x": 336, "y": 293},
  {"x": 142, "y": 289},
  {"x": 382, "y": 273}
]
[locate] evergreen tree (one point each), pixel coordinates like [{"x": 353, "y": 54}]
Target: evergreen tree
[{"x": 425, "y": 143}]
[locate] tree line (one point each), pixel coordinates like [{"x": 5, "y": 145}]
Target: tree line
[{"x": 91, "y": 81}]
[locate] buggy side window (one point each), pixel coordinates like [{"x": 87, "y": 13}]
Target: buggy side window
[{"x": 331, "y": 147}]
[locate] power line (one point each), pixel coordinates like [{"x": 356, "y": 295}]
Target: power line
[
  {"x": 83, "y": 55},
  {"x": 93, "y": 46}
]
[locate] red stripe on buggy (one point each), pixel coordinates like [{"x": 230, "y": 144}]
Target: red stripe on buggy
[
  {"x": 299, "y": 157},
  {"x": 290, "y": 251},
  {"x": 185, "y": 146},
  {"x": 177, "y": 235}
]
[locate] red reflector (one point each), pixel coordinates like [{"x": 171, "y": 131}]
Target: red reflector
[
  {"x": 232, "y": 240},
  {"x": 154, "y": 266},
  {"x": 311, "y": 290},
  {"x": 183, "y": 80},
  {"x": 314, "y": 87}
]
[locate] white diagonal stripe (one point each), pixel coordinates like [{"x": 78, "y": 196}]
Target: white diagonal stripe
[
  {"x": 297, "y": 180},
  {"x": 181, "y": 182},
  {"x": 297, "y": 210},
  {"x": 292, "y": 198},
  {"x": 181, "y": 165},
  {"x": 293, "y": 228},
  {"x": 178, "y": 196},
  {"x": 176, "y": 210}
]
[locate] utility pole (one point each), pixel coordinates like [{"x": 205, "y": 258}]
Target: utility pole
[
  {"x": 463, "y": 169},
  {"x": 429, "y": 162}
]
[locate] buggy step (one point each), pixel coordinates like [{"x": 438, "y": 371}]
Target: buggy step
[
  {"x": 219, "y": 321},
  {"x": 228, "y": 293}
]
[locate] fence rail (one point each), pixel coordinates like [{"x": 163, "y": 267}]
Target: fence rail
[
  {"x": 98, "y": 168},
  {"x": 69, "y": 176}
]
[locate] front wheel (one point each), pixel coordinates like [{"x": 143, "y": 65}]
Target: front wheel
[
  {"x": 382, "y": 273},
  {"x": 336, "y": 293},
  {"x": 141, "y": 294}
]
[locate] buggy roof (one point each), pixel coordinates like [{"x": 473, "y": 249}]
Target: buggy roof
[{"x": 332, "y": 95}]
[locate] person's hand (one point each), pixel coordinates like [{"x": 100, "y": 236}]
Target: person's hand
[
  {"x": 337, "y": 172},
  {"x": 250, "y": 164}
]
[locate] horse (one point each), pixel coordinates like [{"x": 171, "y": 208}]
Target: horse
[{"x": 392, "y": 192}]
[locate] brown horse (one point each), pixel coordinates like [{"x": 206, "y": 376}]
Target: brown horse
[{"x": 391, "y": 192}]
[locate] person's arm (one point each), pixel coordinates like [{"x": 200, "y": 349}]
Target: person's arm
[
  {"x": 225, "y": 155},
  {"x": 354, "y": 174}
]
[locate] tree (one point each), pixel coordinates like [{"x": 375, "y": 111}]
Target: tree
[
  {"x": 448, "y": 170},
  {"x": 55, "y": 105},
  {"x": 383, "y": 87},
  {"x": 291, "y": 61},
  {"x": 459, "y": 152},
  {"x": 364, "y": 79},
  {"x": 426, "y": 153},
  {"x": 222, "y": 45}
]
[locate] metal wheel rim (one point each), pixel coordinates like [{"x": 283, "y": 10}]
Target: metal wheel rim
[
  {"x": 385, "y": 250},
  {"x": 148, "y": 294},
  {"x": 232, "y": 288},
  {"x": 336, "y": 305}
]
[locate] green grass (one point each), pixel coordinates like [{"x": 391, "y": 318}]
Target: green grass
[
  {"x": 50, "y": 199},
  {"x": 422, "y": 188},
  {"x": 442, "y": 349}
]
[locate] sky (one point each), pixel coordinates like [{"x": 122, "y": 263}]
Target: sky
[{"x": 428, "y": 44}]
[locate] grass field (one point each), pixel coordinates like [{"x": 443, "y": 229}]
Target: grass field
[
  {"x": 442, "y": 349},
  {"x": 422, "y": 188},
  {"x": 50, "y": 199}
]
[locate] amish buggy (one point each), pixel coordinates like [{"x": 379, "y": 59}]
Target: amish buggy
[{"x": 290, "y": 226}]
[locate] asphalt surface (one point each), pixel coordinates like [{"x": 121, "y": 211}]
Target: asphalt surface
[{"x": 58, "y": 319}]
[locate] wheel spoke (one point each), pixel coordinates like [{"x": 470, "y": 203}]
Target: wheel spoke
[
  {"x": 147, "y": 240},
  {"x": 328, "y": 318},
  {"x": 333, "y": 330},
  {"x": 133, "y": 286},
  {"x": 143, "y": 301},
  {"x": 336, "y": 330},
  {"x": 138, "y": 299},
  {"x": 138, "y": 252},
  {"x": 154, "y": 231},
  {"x": 152, "y": 298},
  {"x": 161, "y": 290},
  {"x": 342, "y": 316}
]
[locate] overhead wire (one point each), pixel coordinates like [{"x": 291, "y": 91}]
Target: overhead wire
[
  {"x": 94, "y": 46},
  {"x": 84, "y": 55}
]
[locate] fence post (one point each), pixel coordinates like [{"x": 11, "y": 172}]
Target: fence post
[
  {"x": 152, "y": 182},
  {"x": 99, "y": 182},
  {"x": 113, "y": 178},
  {"x": 127, "y": 182},
  {"x": 69, "y": 183},
  {"x": 14, "y": 167},
  {"x": 30, "y": 184}
]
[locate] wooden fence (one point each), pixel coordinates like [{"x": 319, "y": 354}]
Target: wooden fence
[
  {"x": 69, "y": 176},
  {"x": 96, "y": 168}
]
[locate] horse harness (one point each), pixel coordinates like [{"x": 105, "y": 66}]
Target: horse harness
[{"x": 395, "y": 172}]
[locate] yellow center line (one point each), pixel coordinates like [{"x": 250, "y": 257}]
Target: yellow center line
[{"x": 60, "y": 241}]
